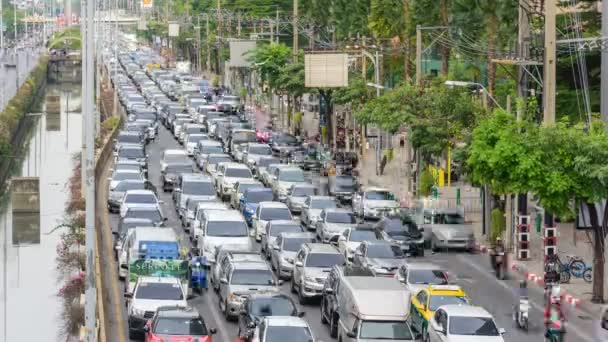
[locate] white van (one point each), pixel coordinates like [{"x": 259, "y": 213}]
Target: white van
[{"x": 373, "y": 309}]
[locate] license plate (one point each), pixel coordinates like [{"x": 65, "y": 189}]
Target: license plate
[{"x": 406, "y": 247}]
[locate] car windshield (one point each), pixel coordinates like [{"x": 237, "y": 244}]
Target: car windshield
[
  {"x": 259, "y": 196},
  {"x": 475, "y": 326},
  {"x": 294, "y": 244},
  {"x": 252, "y": 277},
  {"x": 264, "y": 162},
  {"x": 322, "y": 204},
  {"x": 176, "y": 158},
  {"x": 448, "y": 219},
  {"x": 287, "y": 333},
  {"x": 238, "y": 172},
  {"x": 146, "y": 116},
  {"x": 260, "y": 150},
  {"x": 194, "y": 130},
  {"x": 340, "y": 217},
  {"x": 198, "y": 188},
  {"x": 126, "y": 176},
  {"x": 125, "y": 186},
  {"x": 240, "y": 137},
  {"x": 324, "y": 260},
  {"x": 136, "y": 167},
  {"x": 245, "y": 186},
  {"x": 269, "y": 214},
  {"x": 362, "y": 235},
  {"x": 129, "y": 138},
  {"x": 211, "y": 149},
  {"x": 159, "y": 291},
  {"x": 131, "y": 153},
  {"x": 384, "y": 251},
  {"x": 291, "y": 176},
  {"x": 152, "y": 215},
  {"x": 227, "y": 229},
  {"x": 180, "y": 326},
  {"x": 303, "y": 191},
  {"x": 385, "y": 330},
  {"x": 437, "y": 301},
  {"x": 217, "y": 160},
  {"x": 286, "y": 139},
  {"x": 272, "y": 306},
  {"x": 194, "y": 138},
  {"x": 140, "y": 198},
  {"x": 186, "y": 168},
  {"x": 427, "y": 277},
  {"x": 277, "y": 229},
  {"x": 378, "y": 195}
]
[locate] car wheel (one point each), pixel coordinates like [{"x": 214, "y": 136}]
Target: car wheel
[
  {"x": 301, "y": 298},
  {"x": 323, "y": 319},
  {"x": 226, "y": 312},
  {"x": 333, "y": 326},
  {"x": 433, "y": 246},
  {"x": 293, "y": 287}
]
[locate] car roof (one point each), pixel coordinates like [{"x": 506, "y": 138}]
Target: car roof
[
  {"x": 140, "y": 192},
  {"x": 165, "y": 280},
  {"x": 338, "y": 210},
  {"x": 127, "y": 171},
  {"x": 235, "y": 165},
  {"x": 298, "y": 235},
  {"x": 258, "y": 190},
  {"x": 284, "y": 222},
  {"x": 303, "y": 185},
  {"x": 224, "y": 215},
  {"x": 321, "y": 248},
  {"x": 177, "y": 311},
  {"x": 313, "y": 198},
  {"x": 211, "y": 205},
  {"x": 252, "y": 265},
  {"x": 253, "y": 144},
  {"x": 218, "y": 155},
  {"x": 272, "y": 204},
  {"x": 423, "y": 266},
  {"x": 174, "y": 151},
  {"x": 465, "y": 310},
  {"x": 373, "y": 188},
  {"x": 209, "y": 143},
  {"x": 195, "y": 177},
  {"x": 443, "y": 290},
  {"x": 269, "y": 294},
  {"x": 286, "y": 321}
]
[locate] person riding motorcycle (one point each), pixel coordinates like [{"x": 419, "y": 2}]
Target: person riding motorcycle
[
  {"x": 554, "y": 319},
  {"x": 522, "y": 308},
  {"x": 497, "y": 250}
]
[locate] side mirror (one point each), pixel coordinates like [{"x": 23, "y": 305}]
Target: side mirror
[
  {"x": 299, "y": 264},
  {"x": 161, "y": 202},
  {"x": 276, "y": 248},
  {"x": 213, "y": 331},
  {"x": 351, "y": 334},
  {"x": 128, "y": 295},
  {"x": 165, "y": 219},
  {"x": 502, "y": 331},
  {"x": 224, "y": 281}
]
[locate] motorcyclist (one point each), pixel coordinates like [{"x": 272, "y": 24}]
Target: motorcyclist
[
  {"x": 554, "y": 318},
  {"x": 498, "y": 249},
  {"x": 523, "y": 303}
]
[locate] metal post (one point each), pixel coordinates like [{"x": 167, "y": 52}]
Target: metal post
[
  {"x": 418, "y": 55},
  {"x": 1, "y": 28},
  {"x": 549, "y": 63},
  {"x": 604, "y": 65},
  {"x": 115, "y": 41},
  {"x": 295, "y": 31},
  {"x": 276, "y": 26},
  {"x": 378, "y": 133},
  {"x": 208, "y": 45},
  {"x": 15, "y": 48},
  {"x": 88, "y": 170},
  {"x": 198, "y": 43}
]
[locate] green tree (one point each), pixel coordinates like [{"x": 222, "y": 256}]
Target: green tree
[
  {"x": 564, "y": 166},
  {"x": 269, "y": 59},
  {"x": 351, "y": 18}
]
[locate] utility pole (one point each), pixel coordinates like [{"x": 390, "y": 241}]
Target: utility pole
[
  {"x": 295, "y": 31},
  {"x": 549, "y": 63},
  {"x": 418, "y": 55},
  {"x": 238, "y": 26},
  {"x": 1, "y": 27},
  {"x": 276, "y": 25},
  {"x": 88, "y": 169},
  {"x": 604, "y": 65},
  {"x": 208, "y": 45},
  {"x": 15, "y": 47}
]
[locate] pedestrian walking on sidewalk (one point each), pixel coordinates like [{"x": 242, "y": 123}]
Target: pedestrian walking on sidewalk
[{"x": 383, "y": 164}]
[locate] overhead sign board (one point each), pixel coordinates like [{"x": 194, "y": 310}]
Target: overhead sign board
[
  {"x": 238, "y": 53},
  {"x": 147, "y": 3},
  {"x": 173, "y": 30},
  {"x": 326, "y": 70}
]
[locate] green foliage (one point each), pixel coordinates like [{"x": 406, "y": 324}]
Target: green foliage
[
  {"x": 351, "y": 17},
  {"x": 111, "y": 123},
  {"x": 290, "y": 80},
  {"x": 69, "y": 38},
  {"x": 356, "y": 94},
  {"x": 498, "y": 224},
  {"x": 386, "y": 18},
  {"x": 427, "y": 181},
  {"x": 269, "y": 59}
]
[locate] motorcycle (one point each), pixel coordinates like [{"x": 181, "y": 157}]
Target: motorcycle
[
  {"x": 498, "y": 264},
  {"x": 198, "y": 274},
  {"x": 520, "y": 316},
  {"x": 556, "y": 333}
]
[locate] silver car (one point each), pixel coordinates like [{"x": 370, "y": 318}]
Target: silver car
[
  {"x": 253, "y": 152},
  {"x": 381, "y": 257},
  {"x": 297, "y": 196},
  {"x": 228, "y": 254},
  {"x": 419, "y": 275},
  {"x": 116, "y": 195},
  {"x": 239, "y": 189},
  {"x": 284, "y": 178},
  {"x": 266, "y": 212},
  {"x": 241, "y": 280},
  {"x": 311, "y": 210},
  {"x": 332, "y": 222},
  {"x": 312, "y": 265},
  {"x": 273, "y": 229},
  {"x": 284, "y": 251}
]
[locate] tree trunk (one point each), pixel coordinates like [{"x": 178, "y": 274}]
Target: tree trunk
[
  {"x": 598, "y": 253},
  {"x": 492, "y": 38},
  {"x": 445, "y": 50}
]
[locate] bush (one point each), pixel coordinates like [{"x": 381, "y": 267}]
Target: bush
[
  {"x": 498, "y": 224},
  {"x": 111, "y": 123},
  {"x": 427, "y": 181},
  {"x": 216, "y": 81}
]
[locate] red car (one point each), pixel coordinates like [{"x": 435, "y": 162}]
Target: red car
[
  {"x": 263, "y": 134},
  {"x": 177, "y": 324}
]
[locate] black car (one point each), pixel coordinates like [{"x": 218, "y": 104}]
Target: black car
[
  {"x": 403, "y": 231},
  {"x": 172, "y": 172},
  {"x": 258, "y": 306}
]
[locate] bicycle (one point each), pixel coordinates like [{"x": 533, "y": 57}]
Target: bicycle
[{"x": 574, "y": 267}]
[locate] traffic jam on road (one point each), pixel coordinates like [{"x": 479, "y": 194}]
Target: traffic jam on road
[{"x": 222, "y": 233}]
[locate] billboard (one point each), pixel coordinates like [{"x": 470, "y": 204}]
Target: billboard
[
  {"x": 157, "y": 268},
  {"x": 173, "y": 30},
  {"x": 25, "y": 202},
  {"x": 238, "y": 53},
  {"x": 147, "y": 4},
  {"x": 326, "y": 70}
]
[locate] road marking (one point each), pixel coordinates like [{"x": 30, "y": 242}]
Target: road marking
[
  {"x": 472, "y": 263},
  {"x": 114, "y": 277}
]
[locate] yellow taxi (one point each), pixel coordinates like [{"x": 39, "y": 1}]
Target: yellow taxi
[{"x": 427, "y": 300}]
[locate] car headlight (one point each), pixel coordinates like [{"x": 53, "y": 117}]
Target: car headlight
[
  {"x": 138, "y": 312},
  {"x": 250, "y": 161},
  {"x": 309, "y": 279},
  {"x": 288, "y": 260},
  {"x": 379, "y": 269},
  {"x": 235, "y": 298}
]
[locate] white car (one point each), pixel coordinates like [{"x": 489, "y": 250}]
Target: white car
[
  {"x": 269, "y": 211},
  {"x": 351, "y": 238},
  {"x": 138, "y": 198},
  {"x": 253, "y": 152},
  {"x": 195, "y": 226},
  {"x": 191, "y": 141},
  {"x": 230, "y": 173},
  {"x": 172, "y": 157},
  {"x": 222, "y": 227},
  {"x": 455, "y": 323},
  {"x": 284, "y": 178},
  {"x": 370, "y": 202},
  {"x": 121, "y": 175},
  {"x": 283, "y": 328}
]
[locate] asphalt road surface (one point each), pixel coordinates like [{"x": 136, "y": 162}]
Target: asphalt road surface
[{"x": 472, "y": 272}]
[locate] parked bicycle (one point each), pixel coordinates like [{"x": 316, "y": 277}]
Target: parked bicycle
[{"x": 574, "y": 266}]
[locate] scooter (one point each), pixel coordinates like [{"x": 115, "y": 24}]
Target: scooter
[
  {"x": 520, "y": 316},
  {"x": 198, "y": 274},
  {"x": 498, "y": 265}
]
